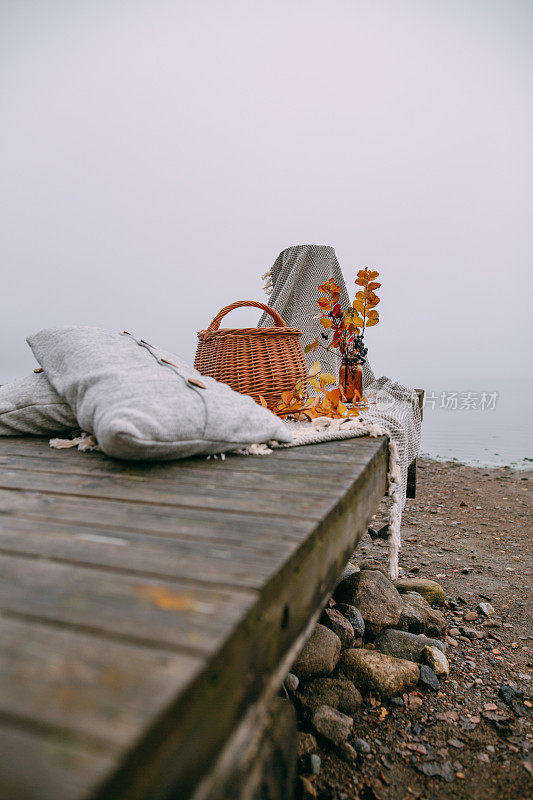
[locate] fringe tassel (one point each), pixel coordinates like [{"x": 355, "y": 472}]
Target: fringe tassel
[
  {"x": 84, "y": 442},
  {"x": 268, "y": 283}
]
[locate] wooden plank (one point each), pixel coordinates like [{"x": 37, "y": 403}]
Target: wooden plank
[
  {"x": 247, "y": 563},
  {"x": 171, "y": 615},
  {"x": 37, "y": 767},
  {"x": 94, "y": 693},
  {"x": 211, "y": 525},
  {"x": 204, "y": 494},
  {"x": 237, "y": 475}
]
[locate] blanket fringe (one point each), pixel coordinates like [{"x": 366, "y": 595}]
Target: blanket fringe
[{"x": 84, "y": 442}]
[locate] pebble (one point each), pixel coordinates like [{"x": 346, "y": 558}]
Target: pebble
[
  {"x": 340, "y": 625},
  {"x": 372, "y": 671},
  {"x": 339, "y": 693},
  {"x": 346, "y": 588},
  {"x": 399, "y": 702},
  {"x": 353, "y": 615},
  {"x": 486, "y": 609},
  {"x": 419, "y": 617},
  {"x": 314, "y": 764},
  {"x": 291, "y": 682},
  {"x": 332, "y": 724},
  {"x": 430, "y": 590},
  {"x": 347, "y": 752},
  {"x": 307, "y": 790},
  {"x": 306, "y": 744},
  {"x": 378, "y": 601},
  {"x": 428, "y": 678},
  {"x": 402, "y": 644},
  {"x": 436, "y": 660},
  {"x": 319, "y": 654},
  {"x": 362, "y": 746}
]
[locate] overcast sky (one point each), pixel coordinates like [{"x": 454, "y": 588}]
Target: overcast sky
[{"x": 156, "y": 157}]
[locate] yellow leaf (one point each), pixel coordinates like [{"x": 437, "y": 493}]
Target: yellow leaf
[
  {"x": 315, "y": 384},
  {"x": 263, "y": 401},
  {"x": 326, "y": 377},
  {"x": 326, "y": 322},
  {"x": 341, "y": 408},
  {"x": 314, "y": 369},
  {"x": 358, "y": 305}
]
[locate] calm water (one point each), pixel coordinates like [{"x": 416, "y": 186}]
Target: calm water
[{"x": 500, "y": 434}]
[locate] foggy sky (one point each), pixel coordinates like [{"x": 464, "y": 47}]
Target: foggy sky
[{"x": 156, "y": 157}]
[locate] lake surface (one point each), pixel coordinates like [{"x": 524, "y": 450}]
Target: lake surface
[{"x": 481, "y": 431}]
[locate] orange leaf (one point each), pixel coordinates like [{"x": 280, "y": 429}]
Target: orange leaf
[
  {"x": 327, "y": 323},
  {"x": 324, "y": 303},
  {"x": 263, "y": 401},
  {"x": 334, "y": 396}
]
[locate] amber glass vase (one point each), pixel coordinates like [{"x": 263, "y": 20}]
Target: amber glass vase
[{"x": 351, "y": 381}]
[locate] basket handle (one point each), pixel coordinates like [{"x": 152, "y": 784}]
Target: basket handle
[{"x": 280, "y": 323}]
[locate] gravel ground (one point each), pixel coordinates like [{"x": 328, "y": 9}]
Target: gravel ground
[{"x": 469, "y": 529}]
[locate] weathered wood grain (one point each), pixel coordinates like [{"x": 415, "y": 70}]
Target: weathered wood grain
[
  {"x": 143, "y": 622},
  {"x": 37, "y": 766},
  {"x": 96, "y": 693}
]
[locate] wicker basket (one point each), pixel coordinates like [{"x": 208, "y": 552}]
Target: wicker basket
[{"x": 253, "y": 361}]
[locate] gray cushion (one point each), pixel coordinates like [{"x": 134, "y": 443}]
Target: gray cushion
[
  {"x": 31, "y": 405},
  {"x": 144, "y": 403}
]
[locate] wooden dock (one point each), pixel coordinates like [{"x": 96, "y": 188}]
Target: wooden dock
[{"x": 147, "y": 610}]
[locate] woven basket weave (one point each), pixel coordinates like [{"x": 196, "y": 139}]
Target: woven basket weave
[{"x": 253, "y": 361}]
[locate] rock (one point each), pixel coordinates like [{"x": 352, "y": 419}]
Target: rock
[
  {"x": 340, "y": 625},
  {"x": 373, "y": 671},
  {"x": 319, "y": 654},
  {"x": 347, "y": 585},
  {"x": 513, "y": 696},
  {"x": 331, "y": 724},
  {"x": 432, "y": 769},
  {"x": 353, "y": 615},
  {"x": 314, "y": 763},
  {"x": 486, "y": 609},
  {"x": 418, "y": 617},
  {"x": 347, "y": 752},
  {"x": 402, "y": 644},
  {"x": 428, "y": 679},
  {"x": 369, "y": 564},
  {"x": 436, "y": 660},
  {"x": 470, "y": 633},
  {"x": 339, "y": 693},
  {"x": 291, "y": 682},
  {"x": 399, "y": 702},
  {"x": 362, "y": 746},
  {"x": 307, "y": 790},
  {"x": 430, "y": 590},
  {"x": 378, "y": 601},
  {"x": 306, "y": 744}
]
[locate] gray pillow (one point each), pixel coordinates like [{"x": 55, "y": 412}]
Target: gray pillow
[
  {"x": 144, "y": 403},
  {"x": 31, "y": 405}
]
